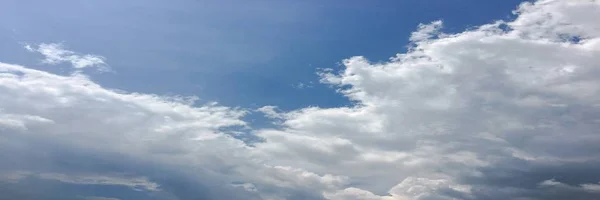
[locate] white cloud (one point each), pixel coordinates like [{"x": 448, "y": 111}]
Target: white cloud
[
  {"x": 459, "y": 108},
  {"x": 55, "y": 53},
  {"x": 301, "y": 85},
  {"x": 488, "y": 113},
  {"x": 589, "y": 187},
  {"x": 270, "y": 112},
  {"x": 550, "y": 182},
  {"x": 426, "y": 31},
  {"x": 63, "y": 115},
  {"x": 409, "y": 188}
]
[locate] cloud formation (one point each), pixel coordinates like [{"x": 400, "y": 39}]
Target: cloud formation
[
  {"x": 483, "y": 114},
  {"x": 506, "y": 110},
  {"x": 55, "y": 53},
  {"x": 136, "y": 183},
  {"x": 77, "y": 127}
]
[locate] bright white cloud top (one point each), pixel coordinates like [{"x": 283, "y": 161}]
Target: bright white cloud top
[{"x": 507, "y": 110}]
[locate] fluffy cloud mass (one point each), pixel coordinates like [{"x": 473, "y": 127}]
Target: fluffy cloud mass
[{"x": 506, "y": 110}]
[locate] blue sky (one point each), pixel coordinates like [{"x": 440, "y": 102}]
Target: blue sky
[
  {"x": 319, "y": 100},
  {"x": 235, "y": 52}
]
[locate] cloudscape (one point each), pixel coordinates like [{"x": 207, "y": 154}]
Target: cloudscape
[{"x": 503, "y": 106}]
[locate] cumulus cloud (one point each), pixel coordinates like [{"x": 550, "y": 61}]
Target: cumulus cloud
[
  {"x": 55, "y": 53},
  {"x": 506, "y": 110},
  {"x": 482, "y": 114}
]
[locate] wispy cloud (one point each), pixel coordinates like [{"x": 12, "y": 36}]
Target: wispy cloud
[
  {"x": 589, "y": 187},
  {"x": 136, "y": 183},
  {"x": 56, "y": 53},
  {"x": 302, "y": 85}
]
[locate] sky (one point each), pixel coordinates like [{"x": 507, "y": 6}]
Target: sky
[{"x": 274, "y": 100}]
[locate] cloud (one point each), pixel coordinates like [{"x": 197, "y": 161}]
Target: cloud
[
  {"x": 247, "y": 186},
  {"x": 426, "y": 31},
  {"x": 301, "y": 85},
  {"x": 136, "y": 183},
  {"x": 77, "y": 125},
  {"x": 409, "y": 188},
  {"x": 55, "y": 53},
  {"x": 81, "y": 129},
  {"x": 270, "y": 112},
  {"x": 486, "y": 113},
  {"x": 588, "y": 187},
  {"x": 506, "y": 110}
]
